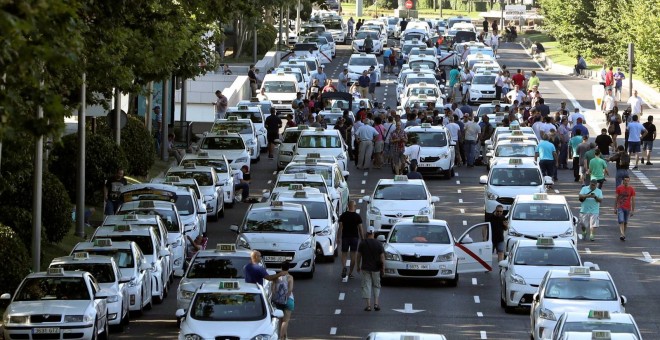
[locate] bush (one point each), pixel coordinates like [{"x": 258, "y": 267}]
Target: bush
[
  {"x": 15, "y": 260},
  {"x": 20, "y": 220},
  {"x": 103, "y": 158},
  {"x": 136, "y": 143},
  {"x": 266, "y": 36}
]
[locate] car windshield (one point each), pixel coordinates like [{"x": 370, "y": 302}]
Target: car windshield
[
  {"x": 233, "y": 127},
  {"x": 357, "y": 61},
  {"x": 102, "y": 272},
  {"x": 279, "y": 86},
  {"x": 419, "y": 233},
  {"x": 302, "y": 68},
  {"x": 332, "y": 24},
  {"x": 185, "y": 205},
  {"x": 580, "y": 288},
  {"x": 400, "y": 192},
  {"x": 483, "y": 80},
  {"x": 226, "y": 267},
  {"x": 203, "y": 178},
  {"x": 324, "y": 171},
  {"x": 430, "y": 139},
  {"x": 144, "y": 242},
  {"x": 590, "y": 326},
  {"x": 123, "y": 257},
  {"x": 320, "y": 141},
  {"x": 318, "y": 185},
  {"x": 429, "y": 91},
  {"x": 228, "y": 307},
  {"x": 219, "y": 165},
  {"x": 331, "y": 118},
  {"x": 276, "y": 221},
  {"x": 299, "y": 77},
  {"x": 515, "y": 177},
  {"x": 315, "y": 209},
  {"x": 53, "y": 288},
  {"x": 513, "y": 150},
  {"x": 408, "y": 47},
  {"x": 417, "y": 80},
  {"x": 392, "y": 21},
  {"x": 425, "y": 51},
  {"x": 421, "y": 63},
  {"x": 412, "y": 36},
  {"x": 546, "y": 256},
  {"x": 540, "y": 212},
  {"x": 168, "y": 216},
  {"x": 363, "y": 35},
  {"x": 222, "y": 143},
  {"x": 255, "y": 117},
  {"x": 291, "y": 136}
]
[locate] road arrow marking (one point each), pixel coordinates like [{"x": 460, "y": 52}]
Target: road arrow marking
[
  {"x": 647, "y": 257},
  {"x": 408, "y": 309}
]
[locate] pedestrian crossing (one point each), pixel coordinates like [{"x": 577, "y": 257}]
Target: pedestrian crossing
[{"x": 643, "y": 179}]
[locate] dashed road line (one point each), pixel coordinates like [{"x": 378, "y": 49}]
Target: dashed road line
[
  {"x": 362, "y": 191},
  {"x": 480, "y": 314},
  {"x": 587, "y": 250},
  {"x": 274, "y": 172},
  {"x": 337, "y": 311},
  {"x": 366, "y": 173},
  {"x": 462, "y": 211},
  {"x": 459, "y": 191},
  {"x": 476, "y": 299},
  {"x": 460, "y": 200},
  {"x": 458, "y": 182},
  {"x": 474, "y": 281},
  {"x": 360, "y": 201},
  {"x": 556, "y": 191},
  {"x": 645, "y": 180},
  {"x": 357, "y": 211},
  {"x": 483, "y": 334},
  {"x": 270, "y": 181},
  {"x": 342, "y": 296},
  {"x": 264, "y": 191},
  {"x": 364, "y": 181},
  {"x": 464, "y": 222},
  {"x": 333, "y": 331}
]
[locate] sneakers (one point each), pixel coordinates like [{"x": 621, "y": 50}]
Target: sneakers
[
  {"x": 584, "y": 232},
  {"x": 635, "y": 168},
  {"x": 649, "y": 163},
  {"x": 343, "y": 273},
  {"x": 622, "y": 238},
  {"x": 642, "y": 160}
]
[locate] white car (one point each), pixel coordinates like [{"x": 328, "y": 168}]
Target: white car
[
  {"x": 207, "y": 179},
  {"x": 132, "y": 265},
  {"x": 286, "y": 144},
  {"x": 404, "y": 335},
  {"x": 482, "y": 88},
  {"x": 527, "y": 263},
  {"x": 413, "y": 35},
  {"x": 430, "y": 90},
  {"x": 393, "y": 27},
  {"x": 243, "y": 127},
  {"x": 285, "y": 181},
  {"x": 423, "y": 248},
  {"x": 322, "y": 43},
  {"x": 229, "y": 145},
  {"x": 437, "y": 149},
  {"x": 303, "y": 84},
  {"x": 230, "y": 310},
  {"x": 337, "y": 27},
  {"x": 573, "y": 290},
  {"x": 52, "y": 304},
  {"x": 419, "y": 60},
  {"x": 302, "y": 67},
  {"x": 508, "y": 178},
  {"x": 359, "y": 63},
  {"x": 421, "y": 102},
  {"x": 378, "y": 25},
  {"x": 282, "y": 90},
  {"x": 323, "y": 142},
  {"x": 109, "y": 278},
  {"x": 281, "y": 232},
  {"x": 223, "y": 170},
  {"x": 360, "y": 36},
  {"x": 245, "y": 110},
  {"x": 329, "y": 169},
  {"x": 573, "y": 324},
  {"x": 540, "y": 215},
  {"x": 511, "y": 148},
  {"x": 396, "y": 199},
  {"x": 408, "y": 46}
]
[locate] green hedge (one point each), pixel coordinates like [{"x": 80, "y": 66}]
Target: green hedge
[
  {"x": 15, "y": 260},
  {"x": 266, "y": 36},
  {"x": 20, "y": 220}
]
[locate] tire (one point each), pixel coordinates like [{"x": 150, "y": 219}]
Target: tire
[
  {"x": 221, "y": 212},
  {"x": 125, "y": 322},
  {"x": 453, "y": 173},
  {"x": 319, "y": 253},
  {"x": 159, "y": 299},
  {"x": 502, "y": 302},
  {"x": 447, "y": 173}
]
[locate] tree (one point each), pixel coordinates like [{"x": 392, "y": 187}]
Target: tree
[{"x": 15, "y": 260}]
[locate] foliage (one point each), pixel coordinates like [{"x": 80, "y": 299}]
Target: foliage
[
  {"x": 20, "y": 220},
  {"x": 266, "y": 35},
  {"x": 137, "y": 144},
  {"x": 102, "y": 158},
  {"x": 15, "y": 260}
]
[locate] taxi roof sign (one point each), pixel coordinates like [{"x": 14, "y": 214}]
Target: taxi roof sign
[
  {"x": 229, "y": 285},
  {"x": 130, "y": 217},
  {"x": 189, "y": 166},
  {"x": 296, "y": 186},
  {"x": 300, "y": 194},
  {"x": 173, "y": 179},
  {"x": 423, "y": 83},
  {"x": 313, "y": 155},
  {"x": 223, "y": 132},
  {"x": 122, "y": 227},
  {"x": 517, "y": 132},
  {"x": 301, "y": 175},
  {"x": 540, "y": 196},
  {"x": 515, "y": 161},
  {"x": 276, "y": 205},
  {"x": 103, "y": 242},
  {"x": 233, "y": 118},
  {"x": 514, "y": 127},
  {"x": 599, "y": 314},
  {"x": 225, "y": 247},
  {"x": 83, "y": 255},
  {"x": 426, "y": 125},
  {"x": 517, "y": 140},
  {"x": 242, "y": 107},
  {"x": 55, "y": 271},
  {"x": 420, "y": 219},
  {"x": 575, "y": 270},
  {"x": 303, "y": 127},
  {"x": 545, "y": 241},
  {"x": 400, "y": 178},
  {"x": 311, "y": 161},
  {"x": 601, "y": 334},
  {"x": 146, "y": 205},
  {"x": 203, "y": 154}
]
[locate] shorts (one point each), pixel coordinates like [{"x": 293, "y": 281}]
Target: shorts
[
  {"x": 363, "y": 91},
  {"x": 372, "y": 88},
  {"x": 499, "y": 247},
  {"x": 647, "y": 145},
  {"x": 349, "y": 242},
  {"x": 622, "y": 215},
  {"x": 589, "y": 220},
  {"x": 386, "y": 61},
  {"x": 379, "y": 146},
  {"x": 272, "y": 137},
  {"x": 288, "y": 306},
  {"x": 634, "y": 147}
]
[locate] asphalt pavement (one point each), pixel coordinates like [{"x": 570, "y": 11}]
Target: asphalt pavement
[{"x": 327, "y": 308}]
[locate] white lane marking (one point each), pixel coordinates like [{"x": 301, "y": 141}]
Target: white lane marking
[
  {"x": 333, "y": 331},
  {"x": 456, "y": 174},
  {"x": 362, "y": 191},
  {"x": 540, "y": 66},
  {"x": 342, "y": 296},
  {"x": 348, "y": 262},
  {"x": 459, "y": 191},
  {"x": 476, "y": 299},
  {"x": 366, "y": 173},
  {"x": 462, "y": 211},
  {"x": 364, "y": 182},
  {"x": 265, "y": 190},
  {"x": 357, "y": 211},
  {"x": 360, "y": 201},
  {"x": 587, "y": 250},
  {"x": 460, "y": 200},
  {"x": 483, "y": 334},
  {"x": 480, "y": 314},
  {"x": 274, "y": 172},
  {"x": 270, "y": 181},
  {"x": 647, "y": 255},
  {"x": 645, "y": 180},
  {"x": 458, "y": 182},
  {"x": 474, "y": 281},
  {"x": 556, "y": 191},
  {"x": 464, "y": 222},
  {"x": 337, "y": 311}
]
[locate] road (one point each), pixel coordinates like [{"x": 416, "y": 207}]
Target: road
[{"x": 327, "y": 308}]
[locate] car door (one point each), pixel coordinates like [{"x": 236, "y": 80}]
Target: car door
[
  {"x": 342, "y": 188},
  {"x": 142, "y": 270},
  {"x": 99, "y": 304},
  {"x": 474, "y": 249}
]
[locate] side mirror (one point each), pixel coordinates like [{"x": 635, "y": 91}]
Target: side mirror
[
  {"x": 201, "y": 208},
  {"x": 233, "y": 228},
  {"x": 5, "y": 296},
  {"x": 180, "y": 313},
  {"x": 435, "y": 199},
  {"x": 576, "y": 220},
  {"x": 266, "y": 195},
  {"x": 317, "y": 229},
  {"x": 623, "y": 300},
  {"x": 335, "y": 196},
  {"x": 102, "y": 295},
  {"x": 489, "y": 147},
  {"x": 547, "y": 180},
  {"x": 591, "y": 265},
  {"x": 345, "y": 64},
  {"x": 278, "y": 313},
  {"x": 504, "y": 264},
  {"x": 489, "y": 154},
  {"x": 483, "y": 179},
  {"x": 381, "y": 238},
  {"x": 163, "y": 253},
  {"x": 366, "y": 198}
]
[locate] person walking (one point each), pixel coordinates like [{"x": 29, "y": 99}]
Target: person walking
[
  {"x": 564, "y": 139},
  {"x": 366, "y": 136},
  {"x": 252, "y": 76},
  {"x": 622, "y": 160},
  {"x": 590, "y": 197},
  {"x": 397, "y": 147},
  {"x": 636, "y": 104},
  {"x": 604, "y": 141},
  {"x": 350, "y": 25},
  {"x": 636, "y": 132},
  {"x": 282, "y": 297},
  {"x": 546, "y": 156},
  {"x": 363, "y": 82},
  {"x": 343, "y": 78},
  {"x": 349, "y": 235},
  {"x": 614, "y": 126},
  {"x": 112, "y": 192},
  {"x": 220, "y": 105},
  {"x": 618, "y": 83},
  {"x": 412, "y": 153},
  {"x": 471, "y": 136},
  {"x": 624, "y": 207},
  {"x": 254, "y": 272},
  {"x": 647, "y": 140},
  {"x": 370, "y": 262},
  {"x": 273, "y": 124},
  {"x": 498, "y": 224},
  {"x": 379, "y": 145},
  {"x": 373, "y": 81},
  {"x": 598, "y": 169}
]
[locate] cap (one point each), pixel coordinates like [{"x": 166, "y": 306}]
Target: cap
[{"x": 370, "y": 230}]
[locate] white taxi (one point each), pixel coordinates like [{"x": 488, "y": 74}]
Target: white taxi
[
  {"x": 437, "y": 149},
  {"x": 223, "y": 170},
  {"x": 573, "y": 290},
  {"x": 422, "y": 248},
  {"x": 229, "y": 310},
  {"x": 331, "y": 173},
  {"x": 286, "y": 145},
  {"x": 572, "y": 324},
  {"x": 244, "y": 110},
  {"x": 508, "y": 178},
  {"x": 109, "y": 278},
  {"x": 207, "y": 179},
  {"x": 361, "y": 36},
  {"x": 132, "y": 265},
  {"x": 323, "y": 142},
  {"x": 598, "y": 335},
  {"x": 430, "y": 90},
  {"x": 56, "y": 304},
  {"x": 482, "y": 88},
  {"x": 284, "y": 182},
  {"x": 540, "y": 215},
  {"x": 511, "y": 148},
  {"x": 282, "y": 90},
  {"x": 360, "y": 62},
  {"x": 184, "y": 207},
  {"x": 145, "y": 237},
  {"x": 230, "y": 145},
  {"x": 281, "y": 232},
  {"x": 302, "y": 81},
  {"x": 404, "y": 335},
  {"x": 423, "y": 59},
  {"x": 527, "y": 263},
  {"x": 243, "y": 127},
  {"x": 398, "y": 198}
]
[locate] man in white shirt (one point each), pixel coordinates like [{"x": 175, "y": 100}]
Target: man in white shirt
[
  {"x": 466, "y": 76},
  {"x": 608, "y": 101},
  {"x": 573, "y": 117},
  {"x": 472, "y": 131},
  {"x": 455, "y": 131},
  {"x": 515, "y": 94},
  {"x": 456, "y": 110},
  {"x": 636, "y": 103},
  {"x": 366, "y": 136},
  {"x": 242, "y": 182},
  {"x": 413, "y": 152}
]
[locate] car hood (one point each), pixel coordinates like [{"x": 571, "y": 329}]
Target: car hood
[
  {"x": 534, "y": 274},
  {"x": 540, "y": 228},
  {"x": 421, "y": 249},
  {"x": 230, "y": 154},
  {"x": 392, "y": 207},
  {"x": 357, "y": 69},
  {"x": 561, "y": 306},
  {"x": 52, "y": 307},
  {"x": 275, "y": 241}
]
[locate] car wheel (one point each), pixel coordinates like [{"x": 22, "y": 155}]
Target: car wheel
[
  {"x": 221, "y": 212},
  {"x": 229, "y": 205},
  {"x": 453, "y": 282},
  {"x": 502, "y": 301},
  {"x": 453, "y": 173},
  {"x": 126, "y": 320},
  {"x": 256, "y": 160},
  {"x": 447, "y": 173},
  {"x": 377, "y": 83},
  {"x": 159, "y": 298}
]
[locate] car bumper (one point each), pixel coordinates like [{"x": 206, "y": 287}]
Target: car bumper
[
  {"x": 64, "y": 331},
  {"x": 542, "y": 325},
  {"x": 518, "y": 295},
  {"x": 303, "y": 261},
  {"x": 115, "y": 312},
  {"x": 327, "y": 244},
  {"x": 482, "y": 98},
  {"x": 425, "y": 270},
  {"x": 434, "y": 167}
]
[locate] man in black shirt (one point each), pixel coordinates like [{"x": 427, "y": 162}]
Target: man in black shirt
[
  {"x": 273, "y": 125},
  {"x": 498, "y": 224},
  {"x": 252, "y": 76},
  {"x": 413, "y": 174},
  {"x": 111, "y": 192},
  {"x": 349, "y": 235},
  {"x": 647, "y": 140},
  {"x": 371, "y": 260}
]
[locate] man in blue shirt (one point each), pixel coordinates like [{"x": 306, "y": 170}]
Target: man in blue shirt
[
  {"x": 454, "y": 82},
  {"x": 581, "y": 127},
  {"x": 321, "y": 76},
  {"x": 363, "y": 83},
  {"x": 547, "y": 154},
  {"x": 256, "y": 273},
  {"x": 590, "y": 196}
]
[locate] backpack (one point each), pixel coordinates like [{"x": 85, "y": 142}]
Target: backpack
[
  {"x": 281, "y": 291},
  {"x": 624, "y": 160}
]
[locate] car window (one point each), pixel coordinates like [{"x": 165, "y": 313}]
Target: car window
[
  {"x": 279, "y": 86},
  {"x": 222, "y": 143},
  {"x": 284, "y": 221},
  {"x": 319, "y": 142},
  {"x": 228, "y": 307},
  {"x": 53, "y": 288},
  {"x": 218, "y": 268},
  {"x": 483, "y": 80},
  {"x": 400, "y": 192},
  {"x": 233, "y": 127},
  {"x": 102, "y": 272},
  {"x": 315, "y": 209},
  {"x": 324, "y": 171},
  {"x": 590, "y": 326},
  {"x": 144, "y": 242},
  {"x": 429, "y": 139},
  {"x": 356, "y": 61},
  {"x": 515, "y": 177},
  {"x": 580, "y": 288},
  {"x": 416, "y": 233},
  {"x": 546, "y": 256},
  {"x": 540, "y": 212},
  {"x": 318, "y": 185},
  {"x": 123, "y": 257},
  {"x": 514, "y": 150},
  {"x": 203, "y": 178}
]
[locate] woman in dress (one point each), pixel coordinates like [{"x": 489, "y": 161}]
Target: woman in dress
[{"x": 614, "y": 125}]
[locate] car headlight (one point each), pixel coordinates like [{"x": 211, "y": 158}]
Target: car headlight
[
  {"x": 241, "y": 160},
  {"x": 341, "y": 156},
  {"x": 491, "y": 196},
  {"x": 374, "y": 211},
  {"x": 286, "y": 153},
  {"x": 547, "y": 314},
  {"x": 444, "y": 155},
  {"x": 154, "y": 268},
  {"x": 192, "y": 337},
  {"x": 17, "y": 319},
  {"x": 445, "y": 257},
  {"x": 186, "y": 294},
  {"x": 306, "y": 244},
  {"x": 77, "y": 318},
  {"x": 250, "y": 142},
  {"x": 392, "y": 256},
  {"x": 475, "y": 91},
  {"x": 515, "y": 278},
  {"x": 425, "y": 211},
  {"x": 568, "y": 233},
  {"x": 243, "y": 243},
  {"x": 208, "y": 198},
  {"x": 112, "y": 299},
  {"x": 261, "y": 337},
  {"x": 514, "y": 233}
]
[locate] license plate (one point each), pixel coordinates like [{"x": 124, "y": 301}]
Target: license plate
[
  {"x": 417, "y": 266},
  {"x": 425, "y": 165},
  {"x": 49, "y": 330},
  {"x": 394, "y": 220},
  {"x": 487, "y": 96},
  {"x": 274, "y": 258}
]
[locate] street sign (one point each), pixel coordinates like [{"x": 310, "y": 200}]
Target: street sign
[
  {"x": 409, "y": 4},
  {"x": 514, "y": 12}
]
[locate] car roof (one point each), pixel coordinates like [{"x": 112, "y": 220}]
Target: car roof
[
  {"x": 268, "y": 206},
  {"x": 65, "y": 273},
  {"x": 158, "y": 205},
  {"x": 196, "y": 168},
  {"x": 213, "y": 287},
  {"x": 557, "y": 243},
  {"x": 435, "y": 128},
  {"x": 91, "y": 259},
  {"x": 324, "y": 132},
  {"x": 300, "y": 177},
  {"x": 550, "y": 199},
  {"x": 594, "y": 274},
  {"x": 83, "y": 246},
  {"x": 396, "y": 182},
  {"x": 503, "y": 162}
]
